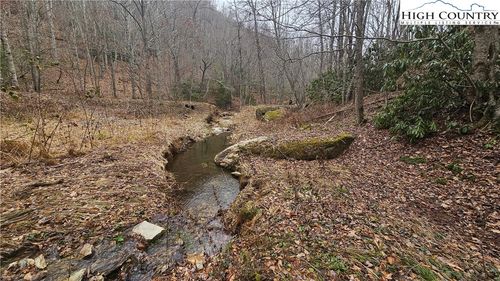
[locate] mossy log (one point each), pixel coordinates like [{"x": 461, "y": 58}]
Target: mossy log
[{"x": 309, "y": 149}]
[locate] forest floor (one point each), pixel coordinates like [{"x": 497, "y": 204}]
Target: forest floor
[
  {"x": 97, "y": 168},
  {"x": 384, "y": 210}
]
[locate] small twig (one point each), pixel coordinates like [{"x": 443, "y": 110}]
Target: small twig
[
  {"x": 470, "y": 110},
  {"x": 45, "y": 183}
]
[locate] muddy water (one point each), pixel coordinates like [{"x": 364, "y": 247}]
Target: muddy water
[{"x": 205, "y": 187}]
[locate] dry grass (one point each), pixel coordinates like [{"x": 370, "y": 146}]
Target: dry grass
[{"x": 59, "y": 130}]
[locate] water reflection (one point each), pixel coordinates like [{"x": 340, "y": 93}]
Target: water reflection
[{"x": 206, "y": 188}]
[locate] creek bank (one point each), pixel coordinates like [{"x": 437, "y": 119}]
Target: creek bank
[{"x": 243, "y": 208}]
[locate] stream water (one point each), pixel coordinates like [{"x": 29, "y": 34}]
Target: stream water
[{"x": 205, "y": 187}]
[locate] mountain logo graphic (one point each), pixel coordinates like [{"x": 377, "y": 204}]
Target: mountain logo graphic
[{"x": 470, "y": 9}]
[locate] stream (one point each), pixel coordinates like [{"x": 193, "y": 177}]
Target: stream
[
  {"x": 197, "y": 230},
  {"x": 206, "y": 188}
]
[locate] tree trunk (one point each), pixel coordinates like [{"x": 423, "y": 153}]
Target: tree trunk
[
  {"x": 240, "y": 65},
  {"x": 14, "y": 84},
  {"x": 145, "y": 45},
  {"x": 358, "y": 52},
  {"x": 131, "y": 59},
  {"x": 321, "y": 41},
  {"x": 262, "y": 88},
  {"x": 340, "y": 40},
  {"x": 31, "y": 39},
  {"x": 113, "y": 76},
  {"x": 331, "y": 59},
  {"x": 90, "y": 60},
  {"x": 50, "y": 18},
  {"x": 485, "y": 56},
  {"x": 75, "y": 61}
]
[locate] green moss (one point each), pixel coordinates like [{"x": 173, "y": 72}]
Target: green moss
[
  {"x": 309, "y": 149},
  {"x": 340, "y": 191},
  {"x": 273, "y": 115},
  {"x": 490, "y": 144},
  {"x": 373, "y": 256},
  {"x": 305, "y": 127},
  {"x": 454, "y": 168},
  {"x": 441, "y": 181},
  {"x": 248, "y": 212},
  {"x": 423, "y": 272},
  {"x": 329, "y": 261},
  {"x": 261, "y": 111},
  {"x": 446, "y": 270}
]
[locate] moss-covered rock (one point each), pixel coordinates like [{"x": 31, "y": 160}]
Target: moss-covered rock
[
  {"x": 274, "y": 114},
  {"x": 261, "y": 111},
  {"x": 308, "y": 149}
]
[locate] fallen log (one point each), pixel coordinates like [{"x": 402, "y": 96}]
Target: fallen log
[
  {"x": 351, "y": 107},
  {"x": 25, "y": 191}
]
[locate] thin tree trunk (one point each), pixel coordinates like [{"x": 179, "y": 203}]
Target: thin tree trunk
[
  {"x": 340, "y": 40},
  {"x": 76, "y": 61},
  {"x": 50, "y": 17},
  {"x": 144, "y": 33},
  {"x": 84, "y": 36},
  {"x": 240, "y": 65},
  {"x": 331, "y": 59},
  {"x": 113, "y": 76},
  {"x": 131, "y": 59},
  {"x": 31, "y": 42},
  {"x": 262, "y": 88},
  {"x": 358, "y": 52},
  {"x": 14, "y": 84},
  {"x": 321, "y": 41}
]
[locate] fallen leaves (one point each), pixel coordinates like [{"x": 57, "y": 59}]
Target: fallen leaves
[{"x": 387, "y": 219}]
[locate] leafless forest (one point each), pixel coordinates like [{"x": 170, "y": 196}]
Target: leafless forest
[{"x": 246, "y": 140}]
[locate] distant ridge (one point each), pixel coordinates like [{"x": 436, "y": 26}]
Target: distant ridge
[{"x": 449, "y": 4}]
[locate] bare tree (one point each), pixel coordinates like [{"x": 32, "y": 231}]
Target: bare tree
[
  {"x": 31, "y": 33},
  {"x": 262, "y": 87},
  {"x": 50, "y": 19},
  {"x": 358, "y": 52},
  {"x": 14, "y": 84}
]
